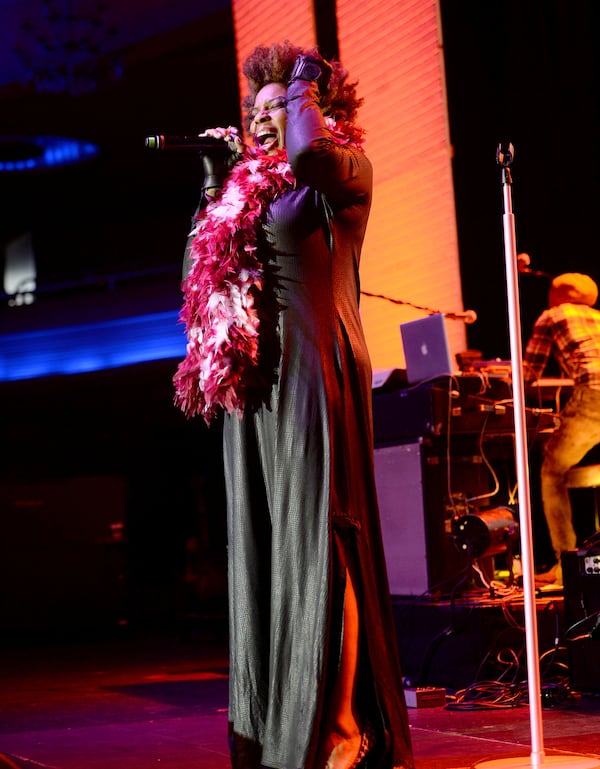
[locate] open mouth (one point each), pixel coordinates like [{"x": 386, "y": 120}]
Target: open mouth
[{"x": 266, "y": 138}]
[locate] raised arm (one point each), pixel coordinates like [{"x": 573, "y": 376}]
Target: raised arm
[{"x": 340, "y": 171}]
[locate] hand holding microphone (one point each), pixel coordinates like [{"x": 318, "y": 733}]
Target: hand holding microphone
[
  {"x": 219, "y": 148},
  {"x": 217, "y": 164},
  {"x": 225, "y": 140}
]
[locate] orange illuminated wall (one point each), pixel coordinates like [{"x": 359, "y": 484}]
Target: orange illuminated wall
[
  {"x": 394, "y": 49},
  {"x": 263, "y": 22}
]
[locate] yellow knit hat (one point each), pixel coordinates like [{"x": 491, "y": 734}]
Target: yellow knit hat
[{"x": 573, "y": 287}]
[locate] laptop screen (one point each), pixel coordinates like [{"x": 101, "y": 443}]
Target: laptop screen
[{"x": 426, "y": 349}]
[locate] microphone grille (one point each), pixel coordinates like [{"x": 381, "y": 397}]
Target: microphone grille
[{"x": 153, "y": 142}]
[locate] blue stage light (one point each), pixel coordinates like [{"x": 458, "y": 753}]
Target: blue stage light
[
  {"x": 29, "y": 153},
  {"x": 92, "y": 346}
]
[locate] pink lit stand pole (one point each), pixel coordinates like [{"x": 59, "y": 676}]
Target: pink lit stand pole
[{"x": 537, "y": 758}]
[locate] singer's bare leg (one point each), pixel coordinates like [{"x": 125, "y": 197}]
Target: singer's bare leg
[{"x": 342, "y": 735}]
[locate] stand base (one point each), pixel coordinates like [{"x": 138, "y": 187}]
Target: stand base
[{"x": 545, "y": 762}]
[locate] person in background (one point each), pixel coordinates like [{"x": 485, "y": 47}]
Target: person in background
[
  {"x": 275, "y": 343},
  {"x": 569, "y": 330}
]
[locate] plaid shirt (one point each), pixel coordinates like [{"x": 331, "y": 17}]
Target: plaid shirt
[{"x": 571, "y": 333}]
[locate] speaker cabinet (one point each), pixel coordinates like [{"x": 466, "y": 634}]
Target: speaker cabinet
[
  {"x": 414, "y": 484},
  {"x": 581, "y": 578}
]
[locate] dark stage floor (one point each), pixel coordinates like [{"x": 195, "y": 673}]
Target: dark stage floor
[{"x": 159, "y": 699}]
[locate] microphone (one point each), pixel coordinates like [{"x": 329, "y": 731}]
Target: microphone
[
  {"x": 193, "y": 143},
  {"x": 523, "y": 262},
  {"x": 468, "y": 316}
]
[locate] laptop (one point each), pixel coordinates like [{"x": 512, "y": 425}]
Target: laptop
[{"x": 426, "y": 349}]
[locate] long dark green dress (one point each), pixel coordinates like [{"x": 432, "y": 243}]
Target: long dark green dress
[{"x": 299, "y": 476}]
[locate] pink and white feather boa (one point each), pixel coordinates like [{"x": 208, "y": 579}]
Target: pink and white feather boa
[{"x": 220, "y": 318}]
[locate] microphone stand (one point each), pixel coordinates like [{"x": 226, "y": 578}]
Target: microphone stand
[{"x": 537, "y": 757}]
